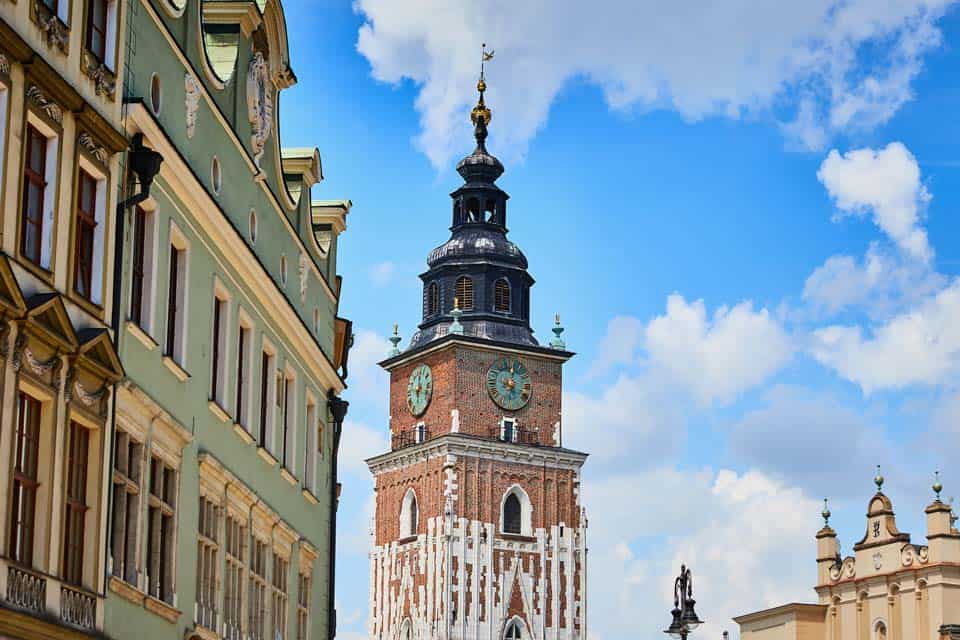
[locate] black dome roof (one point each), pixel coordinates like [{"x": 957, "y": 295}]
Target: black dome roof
[{"x": 477, "y": 243}]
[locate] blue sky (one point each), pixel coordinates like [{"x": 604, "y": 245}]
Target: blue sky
[{"x": 747, "y": 219}]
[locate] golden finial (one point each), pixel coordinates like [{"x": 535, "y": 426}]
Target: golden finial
[
  {"x": 481, "y": 112},
  {"x": 456, "y": 302}
]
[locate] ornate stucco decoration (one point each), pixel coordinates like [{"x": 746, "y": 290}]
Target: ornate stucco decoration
[
  {"x": 56, "y": 33},
  {"x": 104, "y": 80},
  {"x": 87, "y": 142},
  {"x": 41, "y": 367},
  {"x": 302, "y": 272},
  {"x": 192, "y": 102},
  {"x": 4, "y": 65},
  {"x": 39, "y": 98},
  {"x": 259, "y": 104},
  {"x": 86, "y": 397}
]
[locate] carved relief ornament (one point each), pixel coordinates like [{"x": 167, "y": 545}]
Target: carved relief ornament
[
  {"x": 40, "y": 99},
  {"x": 259, "y": 104},
  {"x": 192, "y": 88}
]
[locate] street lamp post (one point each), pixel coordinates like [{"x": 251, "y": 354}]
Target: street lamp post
[{"x": 685, "y": 618}]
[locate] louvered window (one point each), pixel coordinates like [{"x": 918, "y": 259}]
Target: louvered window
[
  {"x": 501, "y": 296},
  {"x": 433, "y": 299},
  {"x": 465, "y": 293}
]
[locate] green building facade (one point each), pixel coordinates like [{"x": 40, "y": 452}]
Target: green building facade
[{"x": 223, "y": 486}]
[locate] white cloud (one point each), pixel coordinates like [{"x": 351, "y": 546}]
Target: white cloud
[
  {"x": 368, "y": 383},
  {"x": 720, "y": 357},
  {"x": 630, "y": 419},
  {"x": 881, "y": 283},
  {"x": 919, "y": 347},
  {"x": 383, "y": 273},
  {"x": 801, "y": 58},
  {"x": 358, "y": 443},
  {"x": 618, "y": 346},
  {"x": 748, "y": 539},
  {"x": 883, "y": 182},
  {"x": 810, "y": 439}
]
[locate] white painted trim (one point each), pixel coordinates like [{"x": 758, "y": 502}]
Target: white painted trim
[{"x": 455, "y": 342}]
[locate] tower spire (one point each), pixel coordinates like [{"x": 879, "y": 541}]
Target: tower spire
[{"x": 481, "y": 114}]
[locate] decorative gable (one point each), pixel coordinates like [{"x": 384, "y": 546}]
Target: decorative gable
[
  {"x": 97, "y": 353},
  {"x": 48, "y": 320}
]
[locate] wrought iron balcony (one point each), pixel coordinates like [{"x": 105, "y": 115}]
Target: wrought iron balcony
[
  {"x": 410, "y": 437},
  {"x": 516, "y": 435}
]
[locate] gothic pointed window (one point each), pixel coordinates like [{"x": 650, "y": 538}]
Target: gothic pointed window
[
  {"x": 514, "y": 630},
  {"x": 511, "y": 515},
  {"x": 433, "y": 299},
  {"x": 464, "y": 289},
  {"x": 501, "y": 296},
  {"x": 409, "y": 515}
]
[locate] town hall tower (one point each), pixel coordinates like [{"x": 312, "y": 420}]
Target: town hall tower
[{"x": 479, "y": 530}]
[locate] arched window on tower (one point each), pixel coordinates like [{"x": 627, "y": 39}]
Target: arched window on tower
[
  {"x": 409, "y": 515},
  {"x": 473, "y": 210},
  {"x": 513, "y": 630},
  {"x": 464, "y": 288},
  {"x": 433, "y": 299},
  {"x": 490, "y": 211},
  {"x": 501, "y": 296},
  {"x": 512, "y": 515},
  {"x": 516, "y": 512}
]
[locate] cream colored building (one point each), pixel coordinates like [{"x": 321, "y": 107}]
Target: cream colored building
[{"x": 890, "y": 589}]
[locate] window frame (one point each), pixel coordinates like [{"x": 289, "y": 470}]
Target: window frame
[
  {"x": 236, "y": 536},
  {"x": 125, "y": 526},
  {"x": 279, "y": 596},
  {"x": 288, "y": 421},
  {"x": 207, "y": 610},
  {"x": 409, "y": 515},
  {"x": 40, "y": 256},
  {"x": 311, "y": 443},
  {"x": 243, "y": 372},
  {"x": 28, "y": 482},
  {"x": 76, "y": 497},
  {"x": 266, "y": 429},
  {"x": 257, "y": 588},
  {"x": 163, "y": 586},
  {"x": 98, "y": 232},
  {"x": 220, "y": 345},
  {"x": 526, "y": 511},
  {"x": 176, "y": 328},
  {"x": 4, "y": 132},
  {"x": 499, "y": 296},
  {"x": 143, "y": 274}
]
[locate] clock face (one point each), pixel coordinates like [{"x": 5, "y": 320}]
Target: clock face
[
  {"x": 509, "y": 384},
  {"x": 419, "y": 390}
]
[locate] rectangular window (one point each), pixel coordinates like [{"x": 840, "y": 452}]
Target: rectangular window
[
  {"x": 266, "y": 411},
  {"x": 34, "y": 195},
  {"x": 78, "y": 448},
  {"x": 257, "y": 595},
  {"x": 25, "y": 483},
  {"x": 176, "y": 303},
  {"x": 141, "y": 272},
  {"x": 243, "y": 349},
  {"x": 217, "y": 347},
  {"x": 97, "y": 29},
  {"x": 236, "y": 539},
  {"x": 310, "y": 457},
  {"x": 208, "y": 551},
  {"x": 288, "y": 432},
  {"x": 278, "y": 608},
  {"x": 86, "y": 226},
  {"x": 160, "y": 530},
  {"x": 126, "y": 507},
  {"x": 303, "y": 607}
]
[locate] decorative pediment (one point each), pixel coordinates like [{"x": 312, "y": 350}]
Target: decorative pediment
[
  {"x": 881, "y": 525},
  {"x": 11, "y": 298},
  {"x": 97, "y": 353},
  {"x": 48, "y": 319}
]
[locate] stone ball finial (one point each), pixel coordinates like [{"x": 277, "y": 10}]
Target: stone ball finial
[
  {"x": 825, "y": 513},
  {"x": 937, "y": 485},
  {"x": 878, "y": 480}
]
